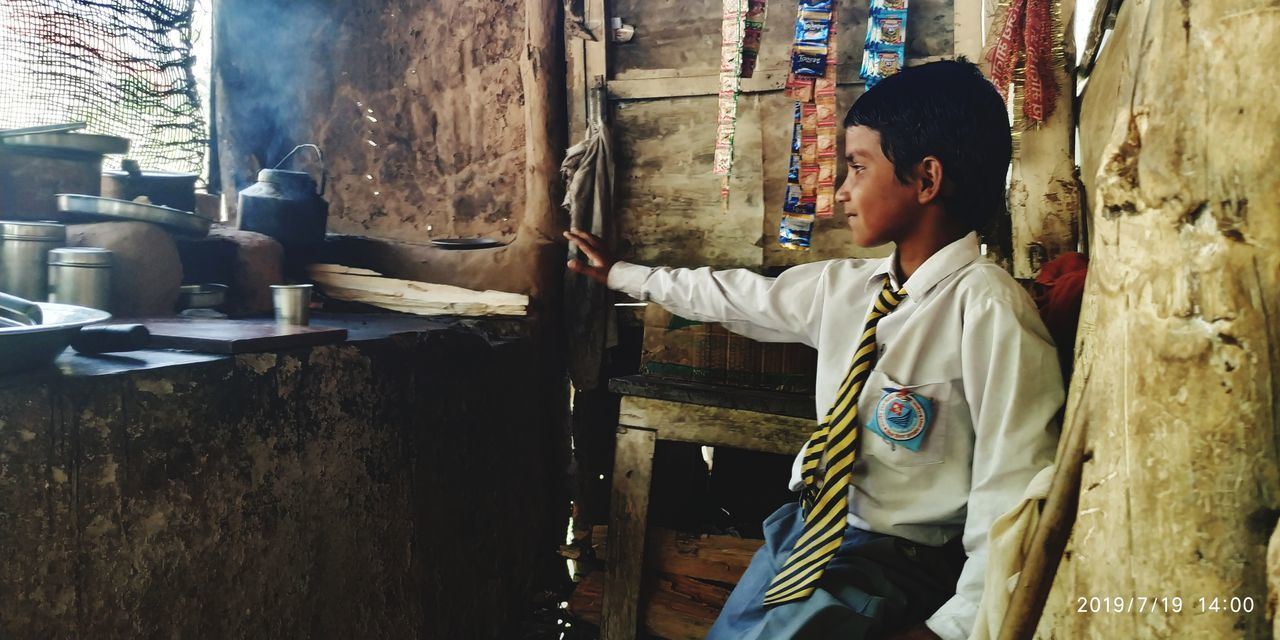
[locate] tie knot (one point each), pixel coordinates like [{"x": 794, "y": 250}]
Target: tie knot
[{"x": 889, "y": 298}]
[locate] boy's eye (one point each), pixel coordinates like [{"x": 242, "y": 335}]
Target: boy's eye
[{"x": 855, "y": 167}]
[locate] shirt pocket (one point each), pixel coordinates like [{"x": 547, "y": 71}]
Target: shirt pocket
[{"x": 933, "y": 444}]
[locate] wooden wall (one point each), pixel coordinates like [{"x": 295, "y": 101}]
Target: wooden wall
[
  {"x": 662, "y": 86},
  {"x": 1176, "y": 379}
]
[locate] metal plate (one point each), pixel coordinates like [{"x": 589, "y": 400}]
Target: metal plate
[
  {"x": 463, "y": 244},
  {"x": 93, "y": 207},
  {"x": 32, "y": 346},
  {"x": 48, "y": 128},
  {"x": 58, "y": 317},
  {"x": 82, "y": 142}
]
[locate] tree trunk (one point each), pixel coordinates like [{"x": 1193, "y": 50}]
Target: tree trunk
[{"x": 1179, "y": 343}]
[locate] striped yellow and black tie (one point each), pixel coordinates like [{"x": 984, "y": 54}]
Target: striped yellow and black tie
[{"x": 828, "y": 458}]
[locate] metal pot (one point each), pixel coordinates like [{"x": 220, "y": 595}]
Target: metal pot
[
  {"x": 39, "y": 163},
  {"x": 174, "y": 190}
]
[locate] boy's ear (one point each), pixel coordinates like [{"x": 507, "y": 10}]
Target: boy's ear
[{"x": 931, "y": 177}]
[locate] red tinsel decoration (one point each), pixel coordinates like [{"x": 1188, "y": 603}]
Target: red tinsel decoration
[{"x": 1027, "y": 34}]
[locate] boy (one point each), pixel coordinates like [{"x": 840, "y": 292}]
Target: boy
[{"x": 937, "y": 382}]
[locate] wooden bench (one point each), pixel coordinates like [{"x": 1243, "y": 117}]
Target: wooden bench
[{"x": 656, "y": 409}]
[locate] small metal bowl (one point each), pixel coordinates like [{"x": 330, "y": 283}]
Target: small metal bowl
[{"x": 201, "y": 296}]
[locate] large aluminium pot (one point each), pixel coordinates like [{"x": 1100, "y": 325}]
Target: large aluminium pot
[
  {"x": 163, "y": 188},
  {"x": 35, "y": 167}
]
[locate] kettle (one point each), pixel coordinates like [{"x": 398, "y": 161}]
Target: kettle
[{"x": 286, "y": 205}]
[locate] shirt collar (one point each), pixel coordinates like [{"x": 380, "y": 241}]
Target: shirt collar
[{"x": 939, "y": 265}]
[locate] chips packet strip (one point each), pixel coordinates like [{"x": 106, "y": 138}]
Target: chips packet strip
[
  {"x": 828, "y": 130},
  {"x": 811, "y": 83},
  {"x": 885, "y": 48},
  {"x": 732, "y": 34}
]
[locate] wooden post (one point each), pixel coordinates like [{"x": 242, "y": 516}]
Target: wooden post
[
  {"x": 1044, "y": 199},
  {"x": 542, "y": 74},
  {"x": 629, "y": 511}
]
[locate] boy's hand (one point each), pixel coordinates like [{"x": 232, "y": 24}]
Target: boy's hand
[{"x": 601, "y": 261}]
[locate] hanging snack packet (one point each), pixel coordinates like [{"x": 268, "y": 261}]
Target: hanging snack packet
[
  {"x": 891, "y": 29},
  {"x": 731, "y": 39},
  {"x": 809, "y": 61},
  {"x": 885, "y": 50},
  {"x": 794, "y": 232},
  {"x": 754, "y": 24}
]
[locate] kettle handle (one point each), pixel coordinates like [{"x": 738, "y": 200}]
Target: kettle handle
[{"x": 324, "y": 176}]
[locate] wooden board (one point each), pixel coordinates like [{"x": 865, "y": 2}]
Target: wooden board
[
  {"x": 207, "y": 335},
  {"x": 717, "y": 426},
  {"x": 675, "y": 607},
  {"x": 718, "y": 558},
  {"x": 684, "y": 36},
  {"x": 754, "y": 400},
  {"x": 669, "y": 210}
]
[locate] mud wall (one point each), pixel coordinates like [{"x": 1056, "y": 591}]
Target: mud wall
[
  {"x": 438, "y": 120},
  {"x": 370, "y": 490},
  {"x": 417, "y": 105}
]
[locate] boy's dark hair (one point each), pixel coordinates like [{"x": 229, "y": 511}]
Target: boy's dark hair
[{"x": 948, "y": 110}]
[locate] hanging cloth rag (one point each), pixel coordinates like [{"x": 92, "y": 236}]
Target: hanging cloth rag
[
  {"x": 1028, "y": 38},
  {"x": 1008, "y": 542},
  {"x": 590, "y": 324}
]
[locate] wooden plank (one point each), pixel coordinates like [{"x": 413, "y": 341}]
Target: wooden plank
[
  {"x": 628, "y": 513},
  {"x": 761, "y": 401},
  {"x": 410, "y": 296},
  {"x": 719, "y": 558},
  {"x": 668, "y": 202},
  {"x": 685, "y": 34},
  {"x": 716, "y": 426},
  {"x": 576, "y": 87},
  {"x": 675, "y": 608},
  {"x": 651, "y": 84}
]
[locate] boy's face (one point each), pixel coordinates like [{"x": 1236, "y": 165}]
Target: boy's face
[{"x": 878, "y": 207}]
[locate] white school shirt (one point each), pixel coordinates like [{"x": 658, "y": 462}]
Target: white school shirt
[{"x": 967, "y": 337}]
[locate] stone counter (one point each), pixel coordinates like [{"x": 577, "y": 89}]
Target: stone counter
[{"x": 401, "y": 485}]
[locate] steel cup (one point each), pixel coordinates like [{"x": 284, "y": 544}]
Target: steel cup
[{"x": 292, "y": 303}]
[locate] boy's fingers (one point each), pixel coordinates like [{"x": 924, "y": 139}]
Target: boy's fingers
[
  {"x": 587, "y": 239},
  {"x": 591, "y": 252}
]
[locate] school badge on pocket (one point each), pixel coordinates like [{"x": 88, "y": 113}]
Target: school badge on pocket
[{"x": 902, "y": 417}]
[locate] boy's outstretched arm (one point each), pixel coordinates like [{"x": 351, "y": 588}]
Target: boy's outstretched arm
[{"x": 783, "y": 309}]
